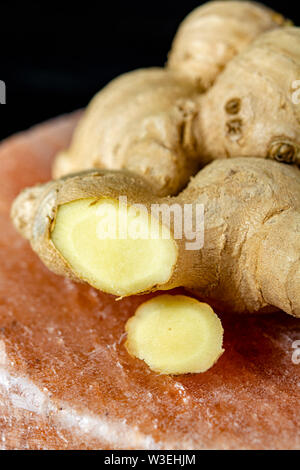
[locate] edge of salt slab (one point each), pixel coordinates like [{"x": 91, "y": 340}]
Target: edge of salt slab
[{"x": 24, "y": 394}]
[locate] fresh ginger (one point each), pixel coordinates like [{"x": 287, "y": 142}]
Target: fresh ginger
[
  {"x": 150, "y": 121},
  {"x": 157, "y": 130},
  {"x": 175, "y": 334},
  {"x": 139, "y": 115},
  {"x": 212, "y": 34},
  {"x": 115, "y": 265},
  {"x": 253, "y": 109},
  {"x": 250, "y": 257}
]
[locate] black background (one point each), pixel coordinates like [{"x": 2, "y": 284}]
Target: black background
[{"x": 56, "y": 55}]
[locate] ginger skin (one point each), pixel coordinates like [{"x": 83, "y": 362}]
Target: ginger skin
[
  {"x": 212, "y": 34},
  {"x": 175, "y": 334},
  {"x": 150, "y": 121},
  {"x": 155, "y": 130},
  {"x": 250, "y": 257},
  {"x": 250, "y": 110},
  {"x": 138, "y": 115}
]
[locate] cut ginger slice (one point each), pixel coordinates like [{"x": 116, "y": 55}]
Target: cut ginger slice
[
  {"x": 175, "y": 335},
  {"x": 61, "y": 349},
  {"x": 114, "y": 248}
]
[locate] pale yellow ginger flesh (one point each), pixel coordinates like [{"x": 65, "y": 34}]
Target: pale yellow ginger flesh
[
  {"x": 175, "y": 334},
  {"x": 113, "y": 246},
  {"x": 250, "y": 257}
]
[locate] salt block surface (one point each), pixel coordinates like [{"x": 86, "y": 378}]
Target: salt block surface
[{"x": 67, "y": 382}]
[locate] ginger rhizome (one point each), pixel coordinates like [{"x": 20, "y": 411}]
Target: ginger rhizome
[
  {"x": 150, "y": 121},
  {"x": 148, "y": 132},
  {"x": 251, "y": 109},
  {"x": 140, "y": 122},
  {"x": 175, "y": 334},
  {"x": 250, "y": 257},
  {"x": 89, "y": 234},
  {"x": 212, "y": 34}
]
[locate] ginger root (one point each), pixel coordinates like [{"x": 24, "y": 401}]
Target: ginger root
[
  {"x": 250, "y": 110},
  {"x": 155, "y": 129},
  {"x": 175, "y": 334},
  {"x": 212, "y": 34},
  {"x": 86, "y": 231},
  {"x": 139, "y": 115},
  {"x": 250, "y": 257},
  {"x": 150, "y": 121}
]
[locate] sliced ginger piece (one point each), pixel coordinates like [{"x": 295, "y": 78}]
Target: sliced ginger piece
[
  {"x": 175, "y": 335},
  {"x": 87, "y": 235}
]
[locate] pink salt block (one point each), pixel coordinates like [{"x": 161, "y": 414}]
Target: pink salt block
[{"x": 67, "y": 382}]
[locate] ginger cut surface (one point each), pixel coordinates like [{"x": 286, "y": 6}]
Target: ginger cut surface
[
  {"x": 87, "y": 233},
  {"x": 175, "y": 334},
  {"x": 62, "y": 347},
  {"x": 250, "y": 257}
]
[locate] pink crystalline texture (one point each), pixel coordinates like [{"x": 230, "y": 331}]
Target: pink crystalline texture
[{"x": 67, "y": 382}]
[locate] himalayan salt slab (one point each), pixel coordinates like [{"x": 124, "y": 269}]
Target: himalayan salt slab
[{"x": 67, "y": 382}]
